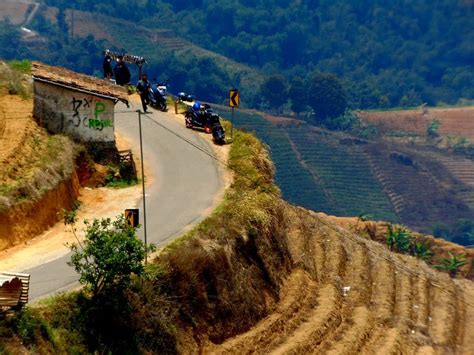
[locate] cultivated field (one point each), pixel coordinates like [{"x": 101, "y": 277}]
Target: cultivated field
[
  {"x": 15, "y": 11},
  {"x": 351, "y": 295},
  {"x": 343, "y": 176},
  {"x": 454, "y": 121}
]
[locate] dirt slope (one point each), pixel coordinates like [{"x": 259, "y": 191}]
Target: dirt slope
[{"x": 349, "y": 295}]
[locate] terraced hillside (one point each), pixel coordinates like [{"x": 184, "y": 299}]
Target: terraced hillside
[
  {"x": 349, "y": 295},
  {"x": 418, "y": 186},
  {"x": 153, "y": 44},
  {"x": 454, "y": 121},
  {"x": 343, "y": 172}
]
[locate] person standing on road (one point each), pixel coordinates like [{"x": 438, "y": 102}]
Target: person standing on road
[
  {"x": 143, "y": 89},
  {"x": 122, "y": 74}
]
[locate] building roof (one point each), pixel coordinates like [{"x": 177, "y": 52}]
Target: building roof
[{"x": 79, "y": 82}]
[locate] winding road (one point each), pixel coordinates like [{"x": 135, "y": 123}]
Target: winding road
[{"x": 184, "y": 184}]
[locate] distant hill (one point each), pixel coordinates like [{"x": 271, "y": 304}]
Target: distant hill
[
  {"x": 413, "y": 184},
  {"x": 388, "y": 53}
]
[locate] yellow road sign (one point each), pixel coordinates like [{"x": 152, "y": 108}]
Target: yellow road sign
[
  {"x": 131, "y": 215},
  {"x": 234, "y": 98}
]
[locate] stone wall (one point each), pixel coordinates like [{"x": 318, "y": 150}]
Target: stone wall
[{"x": 86, "y": 117}]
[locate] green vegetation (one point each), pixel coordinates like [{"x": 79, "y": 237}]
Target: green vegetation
[
  {"x": 433, "y": 128},
  {"x": 452, "y": 264},
  {"x": 274, "y": 91},
  {"x": 387, "y": 54},
  {"x": 327, "y": 98},
  {"x": 401, "y": 240},
  {"x": 398, "y": 239},
  {"x": 460, "y": 232},
  {"x": 109, "y": 255}
]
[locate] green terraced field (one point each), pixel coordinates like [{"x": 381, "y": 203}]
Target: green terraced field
[
  {"x": 344, "y": 173},
  {"x": 315, "y": 174}
]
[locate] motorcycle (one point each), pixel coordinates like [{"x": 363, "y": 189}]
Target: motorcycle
[
  {"x": 218, "y": 133},
  {"x": 203, "y": 117},
  {"x": 158, "y": 96},
  {"x": 185, "y": 97}
]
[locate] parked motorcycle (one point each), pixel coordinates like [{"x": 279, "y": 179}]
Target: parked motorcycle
[
  {"x": 202, "y": 116},
  {"x": 218, "y": 133},
  {"x": 158, "y": 96},
  {"x": 185, "y": 97}
]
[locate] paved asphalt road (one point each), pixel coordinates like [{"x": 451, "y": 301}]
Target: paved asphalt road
[{"x": 185, "y": 183}]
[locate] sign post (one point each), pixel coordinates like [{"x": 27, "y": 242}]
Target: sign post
[
  {"x": 234, "y": 101},
  {"x": 143, "y": 182}
]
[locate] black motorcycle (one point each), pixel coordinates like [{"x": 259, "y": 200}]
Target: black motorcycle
[
  {"x": 218, "y": 133},
  {"x": 203, "y": 117},
  {"x": 198, "y": 116},
  {"x": 158, "y": 96}
]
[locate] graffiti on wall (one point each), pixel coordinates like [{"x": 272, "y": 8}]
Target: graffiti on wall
[{"x": 88, "y": 113}]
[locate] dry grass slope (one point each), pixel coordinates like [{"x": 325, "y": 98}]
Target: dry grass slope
[{"x": 348, "y": 295}]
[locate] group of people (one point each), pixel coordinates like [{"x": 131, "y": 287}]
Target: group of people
[
  {"x": 120, "y": 72},
  {"x": 122, "y": 76}
]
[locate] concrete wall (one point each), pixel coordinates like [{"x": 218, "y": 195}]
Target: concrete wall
[{"x": 87, "y": 118}]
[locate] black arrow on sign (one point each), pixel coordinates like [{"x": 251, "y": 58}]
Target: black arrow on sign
[{"x": 233, "y": 98}]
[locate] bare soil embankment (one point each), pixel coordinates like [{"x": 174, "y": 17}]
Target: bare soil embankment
[{"x": 37, "y": 171}]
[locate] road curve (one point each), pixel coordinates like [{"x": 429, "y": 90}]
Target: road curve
[{"x": 185, "y": 182}]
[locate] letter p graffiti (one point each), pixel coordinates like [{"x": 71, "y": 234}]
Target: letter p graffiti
[{"x": 99, "y": 108}]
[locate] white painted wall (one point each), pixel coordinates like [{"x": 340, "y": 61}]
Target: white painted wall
[{"x": 87, "y": 118}]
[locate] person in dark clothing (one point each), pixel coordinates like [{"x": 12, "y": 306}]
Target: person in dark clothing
[
  {"x": 122, "y": 74},
  {"x": 107, "y": 66},
  {"x": 143, "y": 89}
]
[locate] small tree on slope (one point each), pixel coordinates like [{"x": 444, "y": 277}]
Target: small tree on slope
[{"x": 109, "y": 255}]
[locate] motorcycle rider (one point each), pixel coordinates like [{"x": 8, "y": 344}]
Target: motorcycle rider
[{"x": 143, "y": 89}]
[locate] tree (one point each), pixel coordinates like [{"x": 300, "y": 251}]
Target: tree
[
  {"x": 109, "y": 255},
  {"x": 326, "y": 96},
  {"x": 298, "y": 95},
  {"x": 274, "y": 91}
]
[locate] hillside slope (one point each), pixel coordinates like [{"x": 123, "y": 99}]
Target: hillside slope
[
  {"x": 35, "y": 167},
  {"x": 261, "y": 276},
  {"x": 415, "y": 184},
  {"x": 348, "y": 295}
]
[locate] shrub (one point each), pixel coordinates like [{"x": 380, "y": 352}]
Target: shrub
[
  {"x": 398, "y": 239},
  {"x": 452, "y": 264},
  {"x": 109, "y": 255}
]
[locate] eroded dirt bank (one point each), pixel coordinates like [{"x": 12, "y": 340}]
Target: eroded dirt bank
[{"x": 26, "y": 220}]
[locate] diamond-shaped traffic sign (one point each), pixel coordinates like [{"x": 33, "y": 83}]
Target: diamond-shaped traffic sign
[{"x": 234, "y": 98}]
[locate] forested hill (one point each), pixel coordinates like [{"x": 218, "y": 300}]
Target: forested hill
[{"x": 389, "y": 53}]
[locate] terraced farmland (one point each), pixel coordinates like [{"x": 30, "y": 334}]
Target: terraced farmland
[
  {"x": 336, "y": 174},
  {"x": 454, "y": 121},
  {"x": 421, "y": 189},
  {"x": 296, "y": 182},
  {"x": 344, "y": 174},
  {"x": 350, "y": 296}
]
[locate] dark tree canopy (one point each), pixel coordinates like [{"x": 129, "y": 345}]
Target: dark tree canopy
[
  {"x": 298, "y": 95},
  {"x": 274, "y": 91},
  {"x": 387, "y": 53},
  {"x": 326, "y": 96}
]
